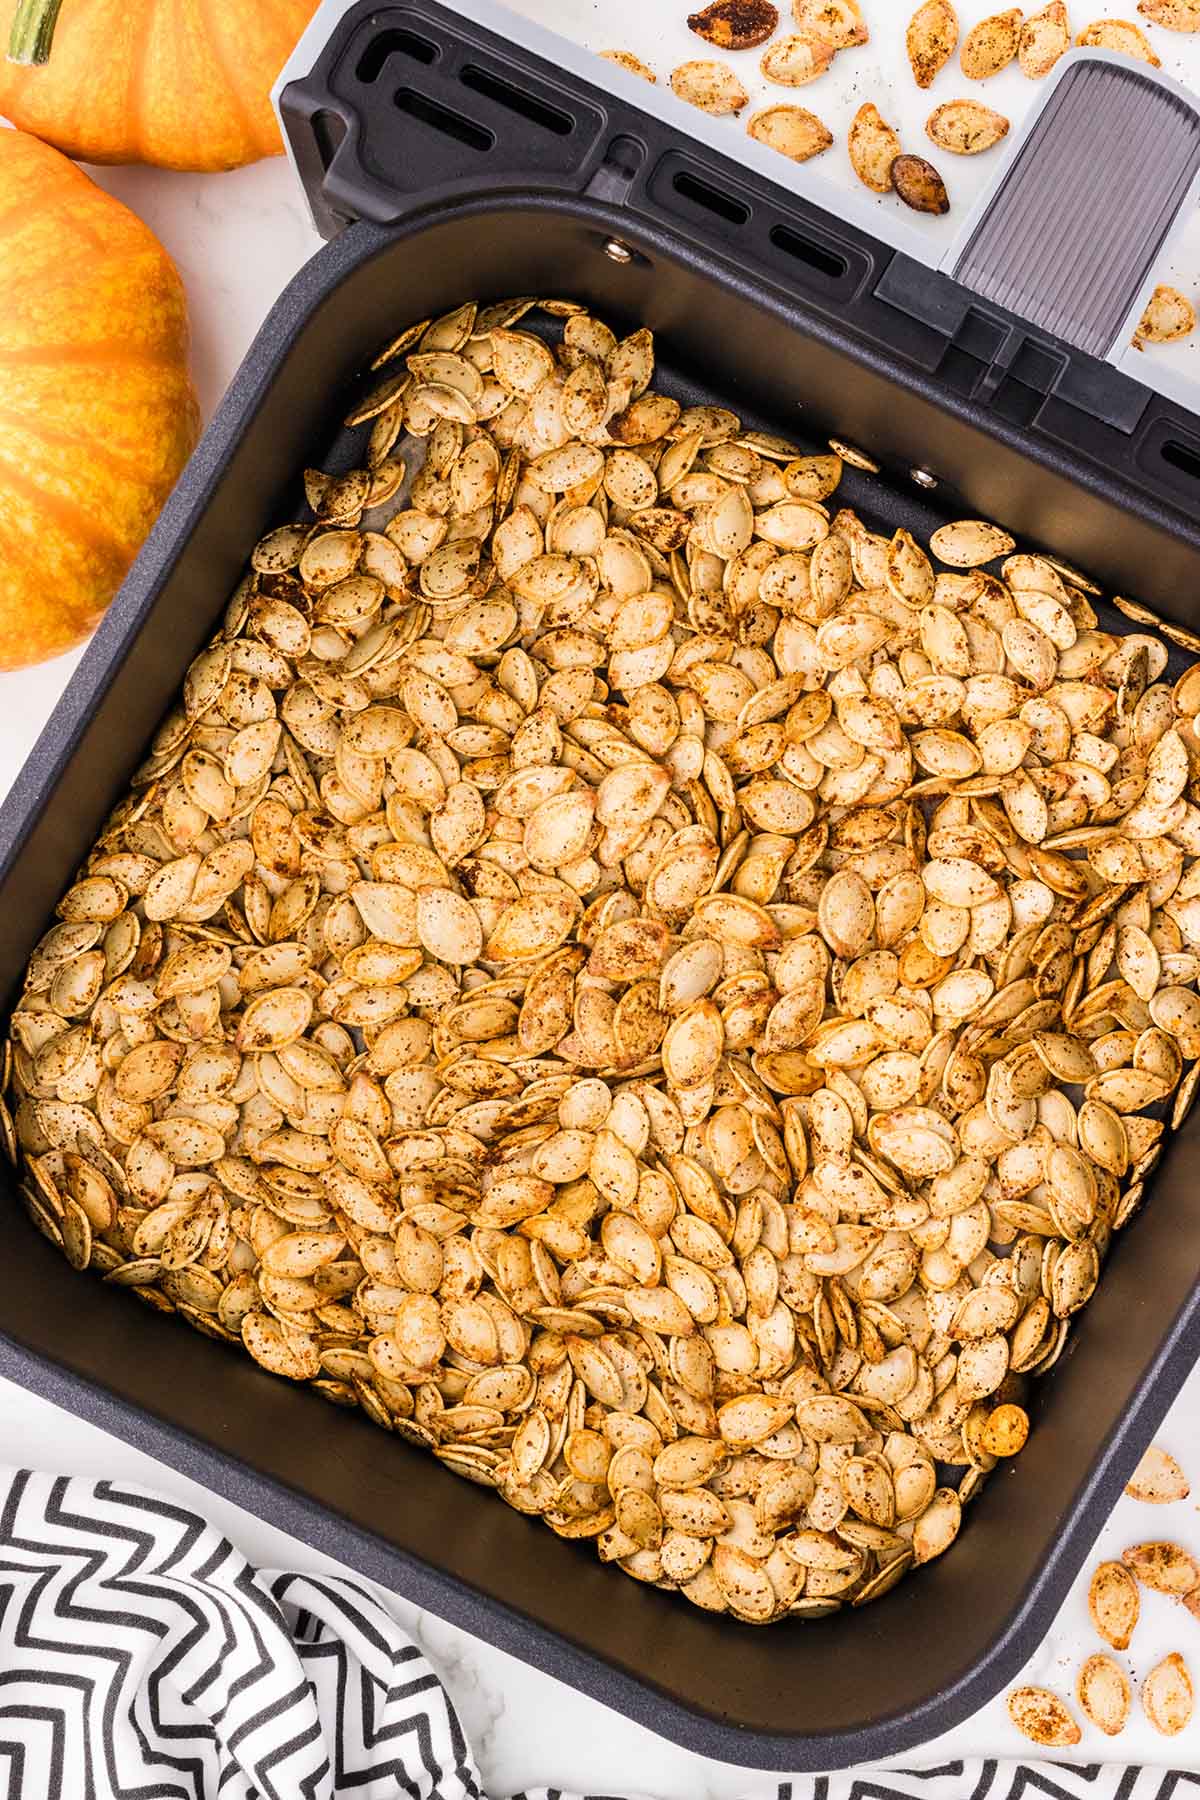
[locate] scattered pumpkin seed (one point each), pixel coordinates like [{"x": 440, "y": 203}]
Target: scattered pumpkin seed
[
  {"x": 792, "y": 130},
  {"x": 1158, "y": 1479},
  {"x": 1120, "y": 35},
  {"x": 931, "y": 40},
  {"x": 1167, "y": 1696},
  {"x": 1114, "y": 1604},
  {"x": 919, "y": 185},
  {"x": 991, "y": 45},
  {"x": 1104, "y": 1693},
  {"x": 712, "y": 86},
  {"x": 796, "y": 60},
  {"x": 1174, "y": 15},
  {"x": 965, "y": 127},
  {"x": 625, "y": 59},
  {"x": 841, "y": 22},
  {"x": 873, "y": 146},
  {"x": 1168, "y": 315},
  {"x": 735, "y": 24},
  {"x": 1167, "y": 1568},
  {"x": 1042, "y": 1717},
  {"x": 1045, "y": 36}
]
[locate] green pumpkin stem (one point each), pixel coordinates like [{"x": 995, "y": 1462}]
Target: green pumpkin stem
[{"x": 33, "y": 31}]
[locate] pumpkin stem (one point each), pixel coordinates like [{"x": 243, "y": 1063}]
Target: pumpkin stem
[{"x": 33, "y": 31}]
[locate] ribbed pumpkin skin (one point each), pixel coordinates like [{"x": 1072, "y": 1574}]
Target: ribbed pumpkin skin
[
  {"x": 97, "y": 410},
  {"x": 184, "y": 84}
]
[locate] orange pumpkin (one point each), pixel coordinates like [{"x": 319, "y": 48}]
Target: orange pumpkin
[
  {"x": 97, "y": 409},
  {"x": 184, "y": 84}
]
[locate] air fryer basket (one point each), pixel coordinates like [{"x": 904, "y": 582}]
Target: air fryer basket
[{"x": 803, "y": 361}]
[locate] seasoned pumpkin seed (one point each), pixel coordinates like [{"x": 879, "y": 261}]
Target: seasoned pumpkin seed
[
  {"x": 1174, "y": 15},
  {"x": 1114, "y": 1604},
  {"x": 625, "y": 59},
  {"x": 1045, "y": 36},
  {"x": 991, "y": 45},
  {"x": 919, "y": 185},
  {"x": 873, "y": 146},
  {"x": 1167, "y": 1695},
  {"x": 965, "y": 127},
  {"x": 712, "y": 86},
  {"x": 1158, "y": 1479},
  {"x": 931, "y": 40},
  {"x": 1120, "y": 35},
  {"x": 1104, "y": 1693},
  {"x": 795, "y": 60},
  {"x": 792, "y": 130},
  {"x": 735, "y": 24},
  {"x": 1168, "y": 315},
  {"x": 1042, "y": 1717}
]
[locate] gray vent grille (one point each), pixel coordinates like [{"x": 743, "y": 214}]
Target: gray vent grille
[{"x": 1080, "y": 216}]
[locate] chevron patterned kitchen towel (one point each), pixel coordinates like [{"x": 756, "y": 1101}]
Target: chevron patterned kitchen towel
[{"x": 143, "y": 1658}]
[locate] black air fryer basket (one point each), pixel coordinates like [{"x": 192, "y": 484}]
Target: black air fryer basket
[{"x": 445, "y": 163}]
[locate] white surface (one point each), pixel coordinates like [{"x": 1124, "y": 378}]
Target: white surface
[{"x": 238, "y": 239}]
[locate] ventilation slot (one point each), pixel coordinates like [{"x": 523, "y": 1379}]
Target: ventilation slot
[
  {"x": 710, "y": 198},
  {"x": 517, "y": 100},
  {"x": 328, "y": 129},
  {"x": 1016, "y": 402},
  {"x": 814, "y": 256},
  {"x": 440, "y": 118},
  {"x": 1184, "y": 457},
  {"x": 393, "y": 43}
]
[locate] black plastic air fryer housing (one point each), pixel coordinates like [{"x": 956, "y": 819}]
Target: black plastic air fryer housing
[{"x": 446, "y": 163}]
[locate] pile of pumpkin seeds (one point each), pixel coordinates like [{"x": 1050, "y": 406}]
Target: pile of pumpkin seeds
[{"x": 655, "y": 992}]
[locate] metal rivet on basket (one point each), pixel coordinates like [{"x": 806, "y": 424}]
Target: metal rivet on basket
[
  {"x": 617, "y": 252},
  {"x": 923, "y": 478}
]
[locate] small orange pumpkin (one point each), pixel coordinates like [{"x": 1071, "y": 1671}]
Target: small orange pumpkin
[
  {"x": 97, "y": 409},
  {"x": 184, "y": 84}
]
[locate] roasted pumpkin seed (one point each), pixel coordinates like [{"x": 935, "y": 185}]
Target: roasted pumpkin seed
[
  {"x": 931, "y": 40},
  {"x": 991, "y": 45},
  {"x": 1104, "y": 1693},
  {"x": 1158, "y": 1479},
  {"x": 1167, "y": 1696},
  {"x": 873, "y": 147},
  {"x": 965, "y": 127},
  {"x": 1120, "y": 35},
  {"x": 1114, "y": 1604},
  {"x": 919, "y": 185},
  {"x": 735, "y": 24},
  {"x": 796, "y": 60},
  {"x": 625, "y": 59},
  {"x": 792, "y": 130},
  {"x": 1045, "y": 36},
  {"x": 1168, "y": 315},
  {"x": 712, "y": 86},
  {"x": 1042, "y": 1717}
]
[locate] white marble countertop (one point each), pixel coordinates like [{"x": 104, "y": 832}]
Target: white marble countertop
[{"x": 238, "y": 239}]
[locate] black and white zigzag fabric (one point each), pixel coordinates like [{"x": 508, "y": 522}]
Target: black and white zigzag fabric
[{"x": 143, "y": 1658}]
